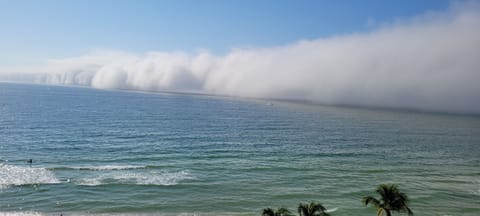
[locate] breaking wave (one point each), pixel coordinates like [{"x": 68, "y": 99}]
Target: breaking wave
[
  {"x": 102, "y": 168},
  {"x": 137, "y": 178},
  {"x": 13, "y": 213},
  {"x": 20, "y": 175},
  {"x": 21, "y": 214}
]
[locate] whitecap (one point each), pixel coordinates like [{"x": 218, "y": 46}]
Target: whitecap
[
  {"x": 20, "y": 213},
  {"x": 22, "y": 175},
  {"x": 137, "y": 178},
  {"x": 331, "y": 210},
  {"x": 109, "y": 167},
  {"x": 122, "y": 214}
]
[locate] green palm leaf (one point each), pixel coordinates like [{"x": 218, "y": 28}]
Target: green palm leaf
[
  {"x": 391, "y": 199},
  {"x": 278, "y": 212},
  {"x": 312, "y": 209}
]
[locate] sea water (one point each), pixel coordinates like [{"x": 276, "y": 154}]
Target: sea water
[{"x": 99, "y": 152}]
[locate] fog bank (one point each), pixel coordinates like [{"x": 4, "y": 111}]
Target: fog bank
[{"x": 431, "y": 62}]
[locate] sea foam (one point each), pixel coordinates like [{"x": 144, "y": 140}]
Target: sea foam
[
  {"x": 331, "y": 210},
  {"x": 21, "y": 214},
  {"x": 109, "y": 167},
  {"x": 137, "y": 178},
  {"x": 13, "y": 213},
  {"x": 22, "y": 175}
]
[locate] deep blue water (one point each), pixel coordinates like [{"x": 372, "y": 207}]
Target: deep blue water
[{"x": 118, "y": 152}]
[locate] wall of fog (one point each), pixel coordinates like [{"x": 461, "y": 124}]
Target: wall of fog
[{"x": 430, "y": 62}]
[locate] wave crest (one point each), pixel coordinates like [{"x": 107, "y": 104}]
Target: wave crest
[
  {"x": 21, "y": 214},
  {"x": 137, "y": 178},
  {"x": 19, "y": 175},
  {"x": 102, "y": 168}
]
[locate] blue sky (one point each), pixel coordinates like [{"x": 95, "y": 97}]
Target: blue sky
[{"x": 33, "y": 31}]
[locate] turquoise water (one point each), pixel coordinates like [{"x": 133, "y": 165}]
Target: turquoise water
[{"x": 98, "y": 152}]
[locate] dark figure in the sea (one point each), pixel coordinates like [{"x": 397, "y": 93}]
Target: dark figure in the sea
[{"x": 30, "y": 161}]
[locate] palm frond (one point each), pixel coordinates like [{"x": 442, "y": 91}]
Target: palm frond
[
  {"x": 312, "y": 209},
  {"x": 268, "y": 212},
  {"x": 302, "y": 209},
  {"x": 317, "y": 207},
  {"x": 373, "y": 201},
  {"x": 410, "y": 212},
  {"x": 391, "y": 199},
  {"x": 283, "y": 212}
]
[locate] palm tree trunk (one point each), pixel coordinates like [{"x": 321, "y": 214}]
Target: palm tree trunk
[{"x": 389, "y": 213}]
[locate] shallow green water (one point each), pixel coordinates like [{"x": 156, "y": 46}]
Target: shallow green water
[{"x": 127, "y": 153}]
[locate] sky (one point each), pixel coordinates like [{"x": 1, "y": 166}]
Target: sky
[
  {"x": 420, "y": 55},
  {"x": 33, "y": 31}
]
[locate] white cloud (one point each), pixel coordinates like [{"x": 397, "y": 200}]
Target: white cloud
[{"x": 431, "y": 62}]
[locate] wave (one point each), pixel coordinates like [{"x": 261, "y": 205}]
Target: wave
[
  {"x": 331, "y": 210},
  {"x": 19, "y": 175},
  {"x": 13, "y": 213},
  {"x": 11, "y": 175},
  {"x": 137, "y": 178},
  {"x": 102, "y": 168},
  {"x": 21, "y": 214}
]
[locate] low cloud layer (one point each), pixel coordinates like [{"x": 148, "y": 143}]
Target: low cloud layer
[{"x": 431, "y": 62}]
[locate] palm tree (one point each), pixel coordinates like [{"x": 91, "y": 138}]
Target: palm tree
[
  {"x": 278, "y": 212},
  {"x": 312, "y": 209},
  {"x": 391, "y": 200}
]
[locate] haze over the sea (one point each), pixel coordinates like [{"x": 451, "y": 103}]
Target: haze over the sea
[{"x": 416, "y": 55}]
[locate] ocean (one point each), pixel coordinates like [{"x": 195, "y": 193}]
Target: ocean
[{"x": 103, "y": 152}]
